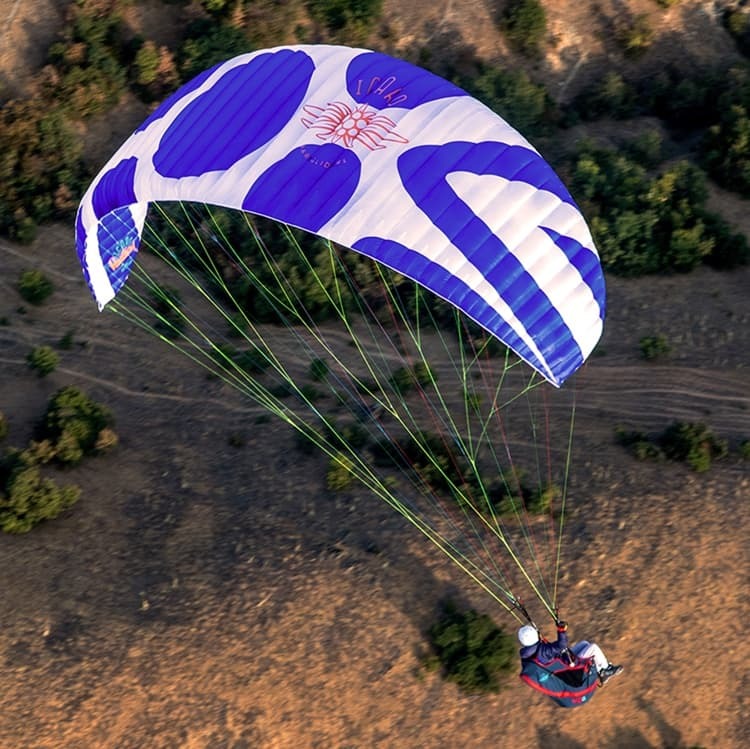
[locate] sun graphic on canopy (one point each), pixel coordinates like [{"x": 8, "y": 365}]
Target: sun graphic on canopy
[{"x": 337, "y": 122}]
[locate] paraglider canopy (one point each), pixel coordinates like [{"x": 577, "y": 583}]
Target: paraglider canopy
[{"x": 379, "y": 156}]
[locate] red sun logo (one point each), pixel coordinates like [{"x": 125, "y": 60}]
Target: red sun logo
[{"x": 339, "y": 123}]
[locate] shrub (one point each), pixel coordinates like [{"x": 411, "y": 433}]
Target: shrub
[
  {"x": 524, "y": 24},
  {"x": 27, "y": 498},
  {"x": 34, "y": 286},
  {"x": 513, "y": 95},
  {"x": 423, "y": 373},
  {"x": 41, "y": 170},
  {"x": 731, "y": 249},
  {"x": 692, "y": 443},
  {"x": 638, "y": 444},
  {"x": 646, "y": 149},
  {"x": 612, "y": 96},
  {"x": 429, "y": 455},
  {"x": 76, "y": 426},
  {"x": 636, "y": 35},
  {"x": 339, "y": 473},
  {"x": 335, "y": 15},
  {"x": 353, "y": 435},
  {"x": 654, "y": 346},
  {"x": 310, "y": 393},
  {"x": 402, "y": 380},
  {"x": 43, "y": 360},
  {"x": 89, "y": 66},
  {"x": 745, "y": 449},
  {"x": 405, "y": 379},
  {"x": 3, "y": 426},
  {"x": 473, "y": 401},
  {"x": 517, "y": 496},
  {"x": 471, "y": 650},
  {"x": 155, "y": 71},
  {"x": 737, "y": 23},
  {"x": 646, "y": 224},
  {"x": 208, "y": 43}
]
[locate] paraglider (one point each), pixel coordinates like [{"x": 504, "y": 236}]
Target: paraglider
[
  {"x": 568, "y": 675},
  {"x": 489, "y": 226},
  {"x": 469, "y": 237}
]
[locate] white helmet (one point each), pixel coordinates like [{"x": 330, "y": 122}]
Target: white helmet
[{"x": 528, "y": 635}]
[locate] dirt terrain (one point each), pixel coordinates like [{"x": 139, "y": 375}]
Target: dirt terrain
[
  {"x": 201, "y": 595},
  {"x": 205, "y": 596}
]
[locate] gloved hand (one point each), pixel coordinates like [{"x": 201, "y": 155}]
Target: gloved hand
[{"x": 561, "y": 626}]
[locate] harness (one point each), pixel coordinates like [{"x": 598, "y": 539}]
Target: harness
[{"x": 569, "y": 681}]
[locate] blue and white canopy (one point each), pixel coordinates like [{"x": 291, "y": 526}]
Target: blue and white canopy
[{"x": 377, "y": 155}]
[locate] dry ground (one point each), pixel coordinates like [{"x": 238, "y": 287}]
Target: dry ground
[{"x": 201, "y": 595}]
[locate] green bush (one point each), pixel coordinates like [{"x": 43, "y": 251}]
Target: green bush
[
  {"x": 155, "y": 72},
  {"x": 636, "y": 35},
  {"x": 513, "y": 95},
  {"x": 471, "y": 650},
  {"x": 339, "y": 474},
  {"x": 336, "y": 15},
  {"x": 27, "y": 498},
  {"x": 654, "y": 346},
  {"x": 612, "y": 96},
  {"x": 66, "y": 341},
  {"x": 43, "y": 360},
  {"x": 649, "y": 224},
  {"x": 90, "y": 62},
  {"x": 646, "y": 149},
  {"x": 208, "y": 43},
  {"x": 3, "y": 426},
  {"x": 690, "y": 443},
  {"x": 423, "y": 373},
  {"x": 737, "y": 23},
  {"x": 310, "y": 393},
  {"x": 352, "y": 435},
  {"x": 405, "y": 379},
  {"x": 516, "y": 496},
  {"x": 41, "y": 169},
  {"x": 694, "y": 444},
  {"x": 428, "y": 455},
  {"x": 745, "y": 449},
  {"x": 473, "y": 401},
  {"x": 34, "y": 287},
  {"x": 524, "y": 24},
  {"x": 76, "y": 426}
]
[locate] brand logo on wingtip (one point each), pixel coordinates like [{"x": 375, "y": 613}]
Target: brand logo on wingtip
[{"x": 117, "y": 260}]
